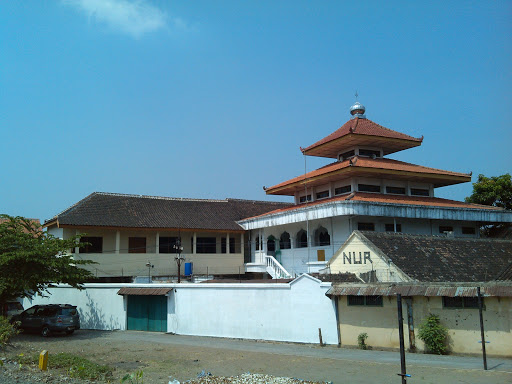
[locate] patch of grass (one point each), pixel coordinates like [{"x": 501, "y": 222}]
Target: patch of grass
[
  {"x": 79, "y": 367},
  {"x": 74, "y": 365}
]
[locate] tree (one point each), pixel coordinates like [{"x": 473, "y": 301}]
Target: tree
[
  {"x": 31, "y": 260},
  {"x": 495, "y": 191}
]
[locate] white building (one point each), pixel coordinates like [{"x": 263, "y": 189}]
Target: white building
[{"x": 362, "y": 189}]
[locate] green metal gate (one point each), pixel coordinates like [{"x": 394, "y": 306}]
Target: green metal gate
[{"x": 147, "y": 313}]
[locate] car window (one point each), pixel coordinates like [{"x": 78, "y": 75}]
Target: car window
[
  {"x": 40, "y": 311},
  {"x": 48, "y": 312},
  {"x": 30, "y": 311},
  {"x": 69, "y": 311}
]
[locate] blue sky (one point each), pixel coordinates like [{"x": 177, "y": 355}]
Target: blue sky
[{"x": 212, "y": 99}]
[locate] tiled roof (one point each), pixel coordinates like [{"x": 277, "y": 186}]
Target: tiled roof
[
  {"x": 506, "y": 274},
  {"x": 366, "y": 166},
  {"x": 361, "y": 127},
  {"x": 36, "y": 222},
  {"x": 144, "y": 291},
  {"x": 444, "y": 259},
  {"x": 135, "y": 211},
  {"x": 385, "y": 199}
]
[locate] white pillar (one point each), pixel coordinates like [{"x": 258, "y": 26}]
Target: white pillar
[
  {"x": 77, "y": 232},
  {"x": 157, "y": 243},
  {"x": 194, "y": 244},
  {"x": 227, "y": 243},
  {"x": 242, "y": 244}
]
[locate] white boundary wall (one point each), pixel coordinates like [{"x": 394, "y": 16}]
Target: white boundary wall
[
  {"x": 281, "y": 312},
  {"x": 99, "y": 305}
]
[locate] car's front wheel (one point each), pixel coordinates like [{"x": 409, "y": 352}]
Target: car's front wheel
[{"x": 45, "y": 332}]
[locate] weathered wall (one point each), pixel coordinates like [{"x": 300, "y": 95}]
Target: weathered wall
[
  {"x": 381, "y": 324},
  {"x": 464, "y": 324},
  {"x": 356, "y": 256}
]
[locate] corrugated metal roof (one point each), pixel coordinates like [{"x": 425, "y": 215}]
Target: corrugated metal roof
[
  {"x": 144, "y": 291},
  {"x": 419, "y": 290}
]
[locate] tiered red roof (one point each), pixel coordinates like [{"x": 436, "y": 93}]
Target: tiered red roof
[
  {"x": 368, "y": 167},
  {"x": 361, "y": 131}
]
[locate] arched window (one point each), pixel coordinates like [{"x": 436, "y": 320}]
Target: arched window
[
  {"x": 302, "y": 239},
  {"x": 257, "y": 243},
  {"x": 322, "y": 237},
  {"x": 284, "y": 241},
  {"x": 271, "y": 244}
]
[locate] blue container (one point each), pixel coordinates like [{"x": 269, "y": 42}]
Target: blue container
[{"x": 188, "y": 269}]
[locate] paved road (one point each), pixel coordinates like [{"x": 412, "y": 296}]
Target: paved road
[{"x": 331, "y": 352}]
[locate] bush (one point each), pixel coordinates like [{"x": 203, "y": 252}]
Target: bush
[
  {"x": 433, "y": 334},
  {"x": 361, "y": 340},
  {"x": 7, "y": 330}
]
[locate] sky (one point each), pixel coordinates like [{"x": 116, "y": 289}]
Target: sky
[{"x": 213, "y": 99}]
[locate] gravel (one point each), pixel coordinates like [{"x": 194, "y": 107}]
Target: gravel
[{"x": 248, "y": 378}]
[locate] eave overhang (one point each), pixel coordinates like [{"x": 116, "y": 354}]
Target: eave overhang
[
  {"x": 119, "y": 228},
  {"x": 348, "y": 169},
  {"x": 448, "y": 289},
  {"x": 341, "y": 144},
  {"x": 349, "y": 208}
]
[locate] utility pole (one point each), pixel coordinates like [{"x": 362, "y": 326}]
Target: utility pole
[
  {"x": 179, "y": 258},
  {"x": 403, "y": 373},
  {"x": 482, "y": 334}
]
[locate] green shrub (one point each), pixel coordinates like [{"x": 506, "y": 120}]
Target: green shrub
[
  {"x": 7, "y": 330},
  {"x": 433, "y": 334},
  {"x": 361, "y": 340}
]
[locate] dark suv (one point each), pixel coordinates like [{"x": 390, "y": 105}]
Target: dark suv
[{"x": 49, "y": 318}]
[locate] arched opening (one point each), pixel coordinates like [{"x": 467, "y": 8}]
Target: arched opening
[
  {"x": 322, "y": 237},
  {"x": 284, "y": 241},
  {"x": 302, "y": 239},
  {"x": 271, "y": 245}
]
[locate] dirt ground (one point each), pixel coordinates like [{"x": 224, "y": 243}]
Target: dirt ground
[{"x": 161, "y": 356}]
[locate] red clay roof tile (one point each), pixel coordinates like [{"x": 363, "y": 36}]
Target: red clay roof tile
[
  {"x": 367, "y": 127},
  {"x": 378, "y": 164}
]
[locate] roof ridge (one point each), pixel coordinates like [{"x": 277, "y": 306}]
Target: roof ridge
[
  {"x": 225, "y": 200},
  {"x": 159, "y": 197},
  {"x": 259, "y": 201}
]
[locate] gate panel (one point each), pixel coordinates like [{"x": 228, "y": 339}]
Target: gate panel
[{"x": 147, "y": 313}]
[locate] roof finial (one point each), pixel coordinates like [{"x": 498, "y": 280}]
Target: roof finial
[{"x": 357, "y": 110}]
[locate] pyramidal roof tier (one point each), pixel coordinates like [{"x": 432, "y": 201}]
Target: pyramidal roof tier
[
  {"x": 360, "y": 131},
  {"x": 367, "y": 167}
]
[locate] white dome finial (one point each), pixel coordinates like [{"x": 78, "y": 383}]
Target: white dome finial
[{"x": 357, "y": 110}]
